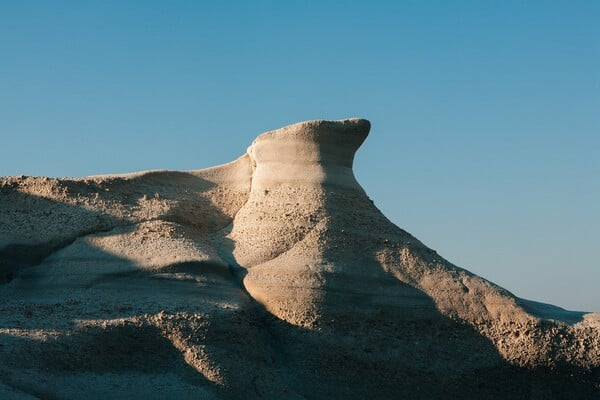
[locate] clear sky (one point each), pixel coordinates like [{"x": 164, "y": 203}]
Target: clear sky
[{"x": 486, "y": 114}]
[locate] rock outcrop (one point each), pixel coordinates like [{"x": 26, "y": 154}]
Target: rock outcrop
[{"x": 273, "y": 276}]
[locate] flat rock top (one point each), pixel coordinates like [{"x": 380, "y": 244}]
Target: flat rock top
[{"x": 314, "y": 128}]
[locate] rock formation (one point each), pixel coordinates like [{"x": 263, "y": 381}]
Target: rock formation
[{"x": 273, "y": 276}]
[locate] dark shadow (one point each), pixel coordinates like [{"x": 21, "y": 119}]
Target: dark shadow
[
  {"x": 380, "y": 338},
  {"x": 23, "y": 215},
  {"x": 64, "y": 222},
  {"x": 123, "y": 346},
  {"x": 377, "y": 337},
  {"x": 157, "y": 316}
]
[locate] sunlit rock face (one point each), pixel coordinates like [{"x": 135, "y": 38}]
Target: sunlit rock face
[
  {"x": 314, "y": 153},
  {"x": 273, "y": 276},
  {"x": 293, "y": 168}
]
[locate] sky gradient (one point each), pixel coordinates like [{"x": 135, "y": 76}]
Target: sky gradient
[{"x": 486, "y": 114}]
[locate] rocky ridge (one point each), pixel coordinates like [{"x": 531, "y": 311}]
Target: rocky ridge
[{"x": 273, "y": 276}]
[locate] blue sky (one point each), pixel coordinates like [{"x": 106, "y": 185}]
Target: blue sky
[{"x": 486, "y": 114}]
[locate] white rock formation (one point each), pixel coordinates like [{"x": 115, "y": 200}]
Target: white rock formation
[{"x": 273, "y": 276}]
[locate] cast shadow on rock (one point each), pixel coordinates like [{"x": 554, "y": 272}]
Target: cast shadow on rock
[
  {"x": 53, "y": 326},
  {"x": 387, "y": 343},
  {"x": 188, "y": 207}
]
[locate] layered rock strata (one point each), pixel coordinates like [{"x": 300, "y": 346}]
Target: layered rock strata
[{"x": 274, "y": 276}]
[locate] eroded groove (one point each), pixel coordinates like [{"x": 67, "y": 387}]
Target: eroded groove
[
  {"x": 17, "y": 256},
  {"x": 14, "y": 257}
]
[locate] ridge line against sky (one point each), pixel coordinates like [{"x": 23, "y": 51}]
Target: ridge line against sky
[{"x": 486, "y": 122}]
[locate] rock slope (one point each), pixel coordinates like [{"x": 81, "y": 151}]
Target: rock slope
[{"x": 273, "y": 276}]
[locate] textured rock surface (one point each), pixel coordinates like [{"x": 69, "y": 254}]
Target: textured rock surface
[{"x": 273, "y": 276}]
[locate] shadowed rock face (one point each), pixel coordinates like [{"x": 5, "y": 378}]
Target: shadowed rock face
[{"x": 273, "y": 276}]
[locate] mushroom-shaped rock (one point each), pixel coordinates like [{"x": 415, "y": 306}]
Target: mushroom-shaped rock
[
  {"x": 308, "y": 153},
  {"x": 167, "y": 283}
]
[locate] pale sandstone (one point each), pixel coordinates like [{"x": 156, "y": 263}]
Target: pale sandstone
[{"x": 273, "y": 276}]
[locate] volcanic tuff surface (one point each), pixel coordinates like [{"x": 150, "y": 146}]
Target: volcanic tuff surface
[{"x": 273, "y": 276}]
